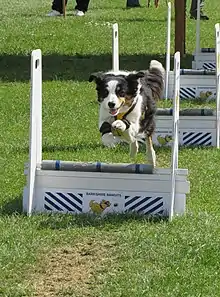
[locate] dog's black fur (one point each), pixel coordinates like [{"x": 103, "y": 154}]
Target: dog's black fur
[{"x": 151, "y": 86}]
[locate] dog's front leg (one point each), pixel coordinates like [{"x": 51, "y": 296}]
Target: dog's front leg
[
  {"x": 134, "y": 149},
  {"x": 129, "y": 133},
  {"x": 150, "y": 151},
  {"x": 109, "y": 140}
]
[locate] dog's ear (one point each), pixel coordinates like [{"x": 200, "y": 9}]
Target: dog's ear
[
  {"x": 135, "y": 76},
  {"x": 96, "y": 76}
]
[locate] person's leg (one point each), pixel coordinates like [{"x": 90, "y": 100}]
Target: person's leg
[
  {"x": 82, "y": 5},
  {"x": 132, "y": 3},
  {"x": 57, "y": 8},
  {"x": 193, "y": 10}
]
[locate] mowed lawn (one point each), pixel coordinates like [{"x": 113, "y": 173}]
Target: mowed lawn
[{"x": 118, "y": 256}]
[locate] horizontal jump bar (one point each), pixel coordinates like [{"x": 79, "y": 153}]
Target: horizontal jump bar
[
  {"x": 207, "y": 50},
  {"x": 197, "y": 72},
  {"x": 187, "y": 112},
  {"x": 96, "y": 167}
]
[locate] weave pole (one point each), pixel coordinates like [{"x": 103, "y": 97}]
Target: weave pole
[
  {"x": 175, "y": 146},
  {"x": 168, "y": 49},
  {"x": 197, "y": 32},
  {"x": 115, "y": 48},
  {"x": 217, "y": 50},
  {"x": 35, "y": 149}
]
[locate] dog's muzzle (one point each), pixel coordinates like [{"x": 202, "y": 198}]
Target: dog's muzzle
[{"x": 114, "y": 111}]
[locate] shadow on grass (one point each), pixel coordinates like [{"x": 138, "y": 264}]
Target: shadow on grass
[
  {"x": 48, "y": 148},
  {"x": 146, "y": 20},
  {"x": 12, "y": 207},
  {"x": 64, "y": 221},
  {"x": 77, "y": 67}
]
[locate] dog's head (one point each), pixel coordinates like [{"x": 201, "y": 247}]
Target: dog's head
[{"x": 115, "y": 90}]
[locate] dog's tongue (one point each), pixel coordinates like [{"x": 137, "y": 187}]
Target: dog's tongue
[{"x": 113, "y": 111}]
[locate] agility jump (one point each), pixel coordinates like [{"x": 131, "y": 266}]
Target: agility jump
[
  {"x": 73, "y": 187},
  {"x": 193, "y": 83},
  {"x": 198, "y": 127},
  {"x": 203, "y": 58}
]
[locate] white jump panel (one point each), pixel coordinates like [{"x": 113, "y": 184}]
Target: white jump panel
[
  {"x": 196, "y": 130},
  {"x": 204, "y": 60},
  {"x": 194, "y": 86},
  {"x": 102, "y": 193}
]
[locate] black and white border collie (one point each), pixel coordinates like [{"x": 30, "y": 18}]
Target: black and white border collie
[{"x": 128, "y": 106}]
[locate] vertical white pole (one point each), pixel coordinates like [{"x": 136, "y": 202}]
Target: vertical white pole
[
  {"x": 35, "y": 138},
  {"x": 217, "y": 53},
  {"x": 175, "y": 145},
  {"x": 197, "y": 33},
  {"x": 115, "y": 48},
  {"x": 168, "y": 50}
]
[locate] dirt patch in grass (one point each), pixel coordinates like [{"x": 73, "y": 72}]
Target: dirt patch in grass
[{"x": 72, "y": 271}]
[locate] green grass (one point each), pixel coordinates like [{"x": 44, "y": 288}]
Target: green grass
[{"x": 83, "y": 256}]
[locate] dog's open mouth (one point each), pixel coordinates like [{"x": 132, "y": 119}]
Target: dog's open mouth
[{"x": 114, "y": 111}]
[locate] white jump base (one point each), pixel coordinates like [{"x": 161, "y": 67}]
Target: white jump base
[
  {"x": 193, "y": 131},
  {"x": 194, "y": 86},
  {"x": 204, "y": 60},
  {"x": 54, "y": 192},
  {"x": 150, "y": 191}
]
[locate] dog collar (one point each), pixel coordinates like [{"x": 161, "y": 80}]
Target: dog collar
[{"x": 122, "y": 115}]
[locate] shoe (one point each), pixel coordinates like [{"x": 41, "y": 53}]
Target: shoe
[
  {"x": 203, "y": 17},
  {"x": 79, "y": 13},
  {"x": 54, "y": 13}
]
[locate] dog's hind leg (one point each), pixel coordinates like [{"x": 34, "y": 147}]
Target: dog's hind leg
[
  {"x": 133, "y": 149},
  {"x": 150, "y": 151}
]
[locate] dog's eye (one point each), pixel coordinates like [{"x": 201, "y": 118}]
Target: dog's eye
[
  {"x": 103, "y": 93},
  {"x": 121, "y": 93}
]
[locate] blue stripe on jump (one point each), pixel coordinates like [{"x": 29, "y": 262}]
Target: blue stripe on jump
[
  {"x": 47, "y": 207},
  {"x": 187, "y": 135},
  {"x": 155, "y": 208},
  {"x": 69, "y": 201},
  {"x": 150, "y": 204},
  {"x": 76, "y": 198},
  {"x": 207, "y": 141},
  {"x": 187, "y": 93},
  {"x": 52, "y": 203},
  {"x": 207, "y": 137},
  {"x": 191, "y": 136},
  {"x": 98, "y": 166},
  {"x": 132, "y": 200},
  {"x": 209, "y": 66},
  {"x": 59, "y": 201},
  {"x": 139, "y": 203},
  {"x": 57, "y": 165},
  {"x": 137, "y": 168},
  {"x": 203, "y": 136}
]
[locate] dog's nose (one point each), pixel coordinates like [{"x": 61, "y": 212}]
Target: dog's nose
[{"x": 111, "y": 104}]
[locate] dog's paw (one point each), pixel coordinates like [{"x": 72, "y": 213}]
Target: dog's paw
[
  {"x": 109, "y": 140},
  {"x": 118, "y": 127}
]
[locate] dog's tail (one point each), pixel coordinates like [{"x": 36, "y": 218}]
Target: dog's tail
[{"x": 155, "y": 79}]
